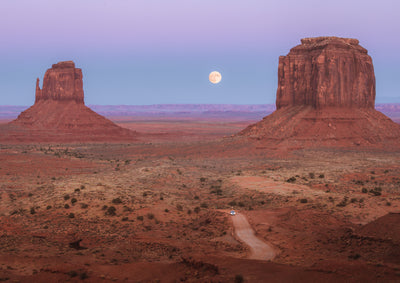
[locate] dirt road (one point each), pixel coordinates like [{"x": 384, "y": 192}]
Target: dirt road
[{"x": 259, "y": 249}]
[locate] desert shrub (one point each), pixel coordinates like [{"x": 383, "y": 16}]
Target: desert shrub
[
  {"x": 364, "y": 190},
  {"x": 239, "y": 278},
  {"x": 376, "y": 192},
  {"x": 71, "y": 215},
  {"x": 73, "y": 200},
  {"x": 321, "y": 176},
  {"x": 84, "y": 205},
  {"x": 204, "y": 205},
  {"x": 343, "y": 203},
  {"x": 166, "y": 210},
  {"x": 291, "y": 180},
  {"x": 104, "y": 207},
  {"x": 48, "y": 207},
  {"x": 303, "y": 200},
  {"x": 202, "y": 179},
  {"x": 354, "y": 256},
  {"x": 140, "y": 217},
  {"x": 127, "y": 209},
  {"x": 116, "y": 201},
  {"x": 353, "y": 200},
  {"x": 77, "y": 190},
  {"x": 72, "y": 273},
  {"x": 196, "y": 197},
  {"x": 82, "y": 187},
  {"x": 66, "y": 197},
  {"x": 311, "y": 175},
  {"x": 388, "y": 203},
  {"x": 196, "y": 209},
  {"x": 30, "y": 194},
  {"x": 33, "y": 210},
  {"x": 189, "y": 211},
  {"x": 232, "y": 203},
  {"x": 66, "y": 206},
  {"x": 83, "y": 276},
  {"x": 150, "y": 216},
  {"x": 125, "y": 218},
  {"x": 179, "y": 207},
  {"x": 145, "y": 194},
  {"x": 241, "y": 204},
  {"x": 111, "y": 211}
]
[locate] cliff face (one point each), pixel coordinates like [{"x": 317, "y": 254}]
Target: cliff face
[
  {"x": 63, "y": 82},
  {"x": 326, "y": 72},
  {"x": 325, "y": 98},
  {"x": 60, "y": 115}
]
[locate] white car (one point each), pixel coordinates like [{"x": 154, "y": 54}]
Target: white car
[{"x": 233, "y": 213}]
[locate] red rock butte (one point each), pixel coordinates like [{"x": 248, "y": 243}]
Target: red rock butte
[
  {"x": 326, "y": 97},
  {"x": 60, "y": 115}
]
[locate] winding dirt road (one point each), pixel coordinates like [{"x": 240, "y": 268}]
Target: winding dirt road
[{"x": 259, "y": 249}]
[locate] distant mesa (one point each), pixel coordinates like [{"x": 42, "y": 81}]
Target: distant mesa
[
  {"x": 60, "y": 115},
  {"x": 325, "y": 97}
]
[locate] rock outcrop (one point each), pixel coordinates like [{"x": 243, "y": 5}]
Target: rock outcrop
[
  {"x": 325, "y": 97},
  {"x": 63, "y": 82},
  {"x": 326, "y": 72},
  {"x": 60, "y": 115}
]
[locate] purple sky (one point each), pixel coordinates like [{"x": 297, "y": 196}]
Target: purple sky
[{"x": 157, "y": 51}]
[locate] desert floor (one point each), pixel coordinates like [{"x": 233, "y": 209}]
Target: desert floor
[{"x": 157, "y": 209}]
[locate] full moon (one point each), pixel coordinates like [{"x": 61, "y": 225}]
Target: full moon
[{"x": 215, "y": 77}]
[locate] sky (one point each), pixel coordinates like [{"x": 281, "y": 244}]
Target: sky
[{"x": 140, "y": 52}]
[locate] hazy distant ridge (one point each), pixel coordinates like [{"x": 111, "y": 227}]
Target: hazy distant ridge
[{"x": 183, "y": 110}]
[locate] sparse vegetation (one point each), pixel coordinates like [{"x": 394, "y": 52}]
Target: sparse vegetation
[
  {"x": 239, "y": 278},
  {"x": 204, "y": 205},
  {"x": 111, "y": 211},
  {"x": 116, "y": 201},
  {"x": 376, "y": 191},
  {"x": 291, "y": 180}
]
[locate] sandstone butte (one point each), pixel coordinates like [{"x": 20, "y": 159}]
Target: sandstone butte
[
  {"x": 326, "y": 97},
  {"x": 60, "y": 115}
]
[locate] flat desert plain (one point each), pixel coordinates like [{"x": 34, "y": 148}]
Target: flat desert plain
[{"x": 158, "y": 209}]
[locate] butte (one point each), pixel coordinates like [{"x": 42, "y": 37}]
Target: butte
[
  {"x": 325, "y": 98},
  {"x": 60, "y": 115}
]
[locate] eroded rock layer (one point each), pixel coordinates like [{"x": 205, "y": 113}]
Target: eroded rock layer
[
  {"x": 60, "y": 115},
  {"x": 326, "y": 72},
  {"x": 326, "y": 97},
  {"x": 63, "y": 82}
]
